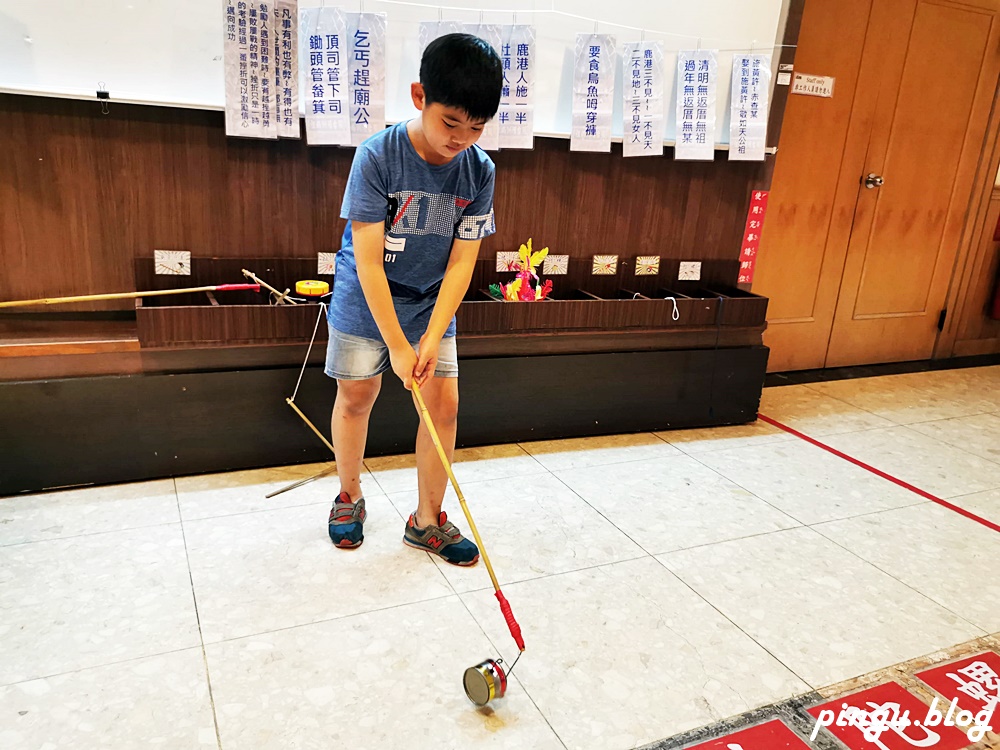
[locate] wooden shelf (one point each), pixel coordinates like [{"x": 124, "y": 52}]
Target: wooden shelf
[
  {"x": 618, "y": 312},
  {"x": 52, "y": 334},
  {"x": 60, "y": 348},
  {"x": 240, "y": 330}
]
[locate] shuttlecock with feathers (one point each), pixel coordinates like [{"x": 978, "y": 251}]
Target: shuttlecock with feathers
[{"x": 521, "y": 288}]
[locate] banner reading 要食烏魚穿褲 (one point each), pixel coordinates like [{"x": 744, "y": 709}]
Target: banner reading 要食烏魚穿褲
[{"x": 593, "y": 92}]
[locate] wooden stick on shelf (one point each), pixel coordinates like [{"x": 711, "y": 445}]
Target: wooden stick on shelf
[
  {"x": 128, "y": 295},
  {"x": 280, "y": 299}
]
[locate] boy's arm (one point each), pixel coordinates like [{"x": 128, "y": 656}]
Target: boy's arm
[
  {"x": 369, "y": 248},
  {"x": 458, "y": 274}
]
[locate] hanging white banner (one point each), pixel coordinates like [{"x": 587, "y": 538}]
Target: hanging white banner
[
  {"x": 323, "y": 45},
  {"x": 262, "y": 66},
  {"x": 431, "y": 30},
  {"x": 237, "y": 68},
  {"x": 643, "y": 106},
  {"x": 697, "y": 85},
  {"x": 751, "y": 92},
  {"x": 489, "y": 32},
  {"x": 248, "y": 48},
  {"x": 593, "y": 89},
  {"x": 286, "y": 64},
  {"x": 366, "y": 36},
  {"x": 516, "y": 118}
]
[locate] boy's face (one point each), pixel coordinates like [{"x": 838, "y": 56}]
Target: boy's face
[{"x": 448, "y": 130}]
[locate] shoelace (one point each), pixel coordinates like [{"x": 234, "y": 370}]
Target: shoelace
[{"x": 342, "y": 510}]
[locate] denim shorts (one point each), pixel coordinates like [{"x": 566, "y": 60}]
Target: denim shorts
[{"x": 355, "y": 358}]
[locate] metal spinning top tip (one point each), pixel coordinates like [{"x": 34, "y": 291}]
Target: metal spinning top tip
[{"x": 485, "y": 681}]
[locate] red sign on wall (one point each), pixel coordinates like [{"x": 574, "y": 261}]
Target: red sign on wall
[
  {"x": 751, "y": 236},
  {"x": 770, "y": 736},
  {"x": 887, "y": 718},
  {"x": 973, "y": 684}
]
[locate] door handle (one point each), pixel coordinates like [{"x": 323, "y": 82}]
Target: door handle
[{"x": 872, "y": 181}]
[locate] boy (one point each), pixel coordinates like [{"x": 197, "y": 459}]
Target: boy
[{"x": 419, "y": 202}]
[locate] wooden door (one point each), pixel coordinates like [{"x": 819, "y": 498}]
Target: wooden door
[
  {"x": 814, "y": 188},
  {"x": 935, "y": 66}
]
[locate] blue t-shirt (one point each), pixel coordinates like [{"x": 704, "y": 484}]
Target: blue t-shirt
[{"x": 424, "y": 207}]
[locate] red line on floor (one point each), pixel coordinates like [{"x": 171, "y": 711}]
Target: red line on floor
[{"x": 878, "y": 472}]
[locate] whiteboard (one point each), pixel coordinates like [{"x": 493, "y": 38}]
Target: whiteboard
[{"x": 169, "y": 52}]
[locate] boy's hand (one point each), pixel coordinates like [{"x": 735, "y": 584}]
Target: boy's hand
[
  {"x": 427, "y": 358},
  {"x": 404, "y": 362}
]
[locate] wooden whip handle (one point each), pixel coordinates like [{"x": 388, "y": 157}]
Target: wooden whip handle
[{"x": 429, "y": 423}]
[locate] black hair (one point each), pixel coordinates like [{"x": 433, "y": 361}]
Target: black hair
[{"x": 465, "y": 72}]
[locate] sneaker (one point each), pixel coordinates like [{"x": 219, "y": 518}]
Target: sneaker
[
  {"x": 444, "y": 540},
  {"x": 347, "y": 522}
]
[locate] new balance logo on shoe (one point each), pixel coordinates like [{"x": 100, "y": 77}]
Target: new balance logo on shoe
[{"x": 444, "y": 540}]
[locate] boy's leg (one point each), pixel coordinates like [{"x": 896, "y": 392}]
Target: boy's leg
[
  {"x": 429, "y": 529},
  {"x": 356, "y": 363},
  {"x": 441, "y": 397},
  {"x": 349, "y": 426}
]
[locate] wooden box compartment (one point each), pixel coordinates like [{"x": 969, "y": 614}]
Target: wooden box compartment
[
  {"x": 248, "y": 318},
  {"x": 581, "y": 310},
  {"x": 196, "y": 322},
  {"x": 241, "y": 318},
  {"x": 738, "y": 307},
  {"x": 692, "y": 310}
]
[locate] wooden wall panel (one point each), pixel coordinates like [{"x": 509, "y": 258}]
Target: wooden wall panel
[
  {"x": 793, "y": 12},
  {"x": 82, "y": 194}
]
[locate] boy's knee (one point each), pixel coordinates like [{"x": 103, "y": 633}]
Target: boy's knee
[
  {"x": 447, "y": 406},
  {"x": 357, "y": 397}
]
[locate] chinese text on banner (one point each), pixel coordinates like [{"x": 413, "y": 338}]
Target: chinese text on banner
[
  {"x": 286, "y": 67},
  {"x": 323, "y": 42},
  {"x": 697, "y": 79},
  {"x": 751, "y": 91},
  {"x": 516, "y": 117},
  {"x": 643, "y": 106},
  {"x": 249, "y": 68},
  {"x": 593, "y": 90},
  {"x": 366, "y": 37}
]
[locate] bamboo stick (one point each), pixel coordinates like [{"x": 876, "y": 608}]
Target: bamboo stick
[
  {"x": 282, "y": 298},
  {"x": 128, "y": 295}
]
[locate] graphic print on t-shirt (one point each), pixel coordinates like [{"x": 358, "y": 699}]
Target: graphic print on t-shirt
[
  {"x": 394, "y": 245},
  {"x": 441, "y": 214}
]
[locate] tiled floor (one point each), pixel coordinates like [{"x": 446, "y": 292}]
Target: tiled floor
[{"x": 663, "y": 582}]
